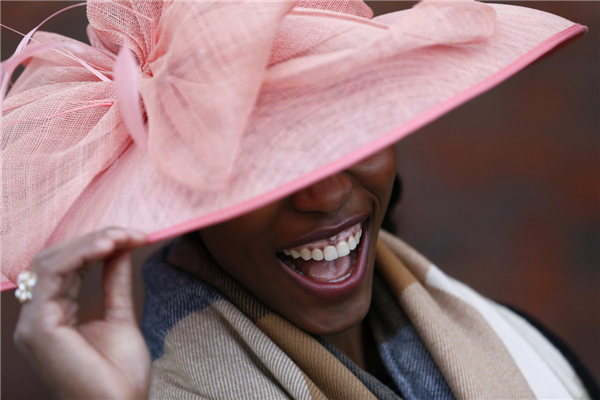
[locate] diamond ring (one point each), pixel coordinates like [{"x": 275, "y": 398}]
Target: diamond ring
[{"x": 25, "y": 282}]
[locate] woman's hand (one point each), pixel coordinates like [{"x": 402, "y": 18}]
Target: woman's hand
[{"x": 102, "y": 359}]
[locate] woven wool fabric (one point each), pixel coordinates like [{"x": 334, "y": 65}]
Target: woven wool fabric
[
  {"x": 438, "y": 339},
  {"x": 242, "y": 103}
]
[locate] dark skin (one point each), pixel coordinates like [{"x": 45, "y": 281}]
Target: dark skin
[
  {"x": 108, "y": 358},
  {"x": 256, "y": 236}
]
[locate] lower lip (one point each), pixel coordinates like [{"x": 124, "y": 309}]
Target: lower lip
[{"x": 345, "y": 287}]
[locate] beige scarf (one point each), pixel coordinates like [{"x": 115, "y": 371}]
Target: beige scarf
[{"x": 211, "y": 338}]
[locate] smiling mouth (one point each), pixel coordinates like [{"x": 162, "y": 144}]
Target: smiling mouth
[{"x": 330, "y": 260}]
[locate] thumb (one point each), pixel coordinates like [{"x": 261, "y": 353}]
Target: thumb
[{"x": 117, "y": 288}]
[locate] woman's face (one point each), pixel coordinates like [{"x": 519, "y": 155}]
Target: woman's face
[{"x": 321, "y": 223}]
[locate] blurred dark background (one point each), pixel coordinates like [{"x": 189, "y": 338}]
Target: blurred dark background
[{"x": 502, "y": 193}]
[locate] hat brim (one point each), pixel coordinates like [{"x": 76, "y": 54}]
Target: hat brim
[{"x": 397, "y": 96}]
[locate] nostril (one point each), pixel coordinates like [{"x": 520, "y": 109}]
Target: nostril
[{"x": 327, "y": 195}]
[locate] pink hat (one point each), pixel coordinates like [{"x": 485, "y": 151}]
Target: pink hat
[{"x": 242, "y": 104}]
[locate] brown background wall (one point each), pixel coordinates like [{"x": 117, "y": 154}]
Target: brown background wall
[{"x": 502, "y": 193}]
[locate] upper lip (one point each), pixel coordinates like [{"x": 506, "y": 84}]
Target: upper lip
[{"x": 327, "y": 232}]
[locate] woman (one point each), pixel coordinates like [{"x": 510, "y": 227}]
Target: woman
[
  {"x": 285, "y": 284},
  {"x": 362, "y": 191}
]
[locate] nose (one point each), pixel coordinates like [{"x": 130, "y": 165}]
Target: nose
[{"x": 326, "y": 195}]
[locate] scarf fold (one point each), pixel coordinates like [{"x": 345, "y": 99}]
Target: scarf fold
[{"x": 438, "y": 339}]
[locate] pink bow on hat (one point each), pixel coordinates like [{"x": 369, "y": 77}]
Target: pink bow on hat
[{"x": 199, "y": 67}]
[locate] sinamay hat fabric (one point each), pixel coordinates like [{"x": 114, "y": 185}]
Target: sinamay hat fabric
[{"x": 241, "y": 104}]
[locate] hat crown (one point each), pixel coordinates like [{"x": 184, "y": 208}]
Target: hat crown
[
  {"x": 134, "y": 23},
  {"x": 192, "y": 51},
  {"x": 195, "y": 42}
]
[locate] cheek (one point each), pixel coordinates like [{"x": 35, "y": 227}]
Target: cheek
[
  {"x": 247, "y": 231},
  {"x": 377, "y": 172},
  {"x": 237, "y": 252},
  {"x": 242, "y": 245}
]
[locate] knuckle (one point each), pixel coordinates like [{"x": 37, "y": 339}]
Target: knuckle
[
  {"x": 45, "y": 265},
  {"x": 45, "y": 253},
  {"x": 42, "y": 256},
  {"x": 22, "y": 336}
]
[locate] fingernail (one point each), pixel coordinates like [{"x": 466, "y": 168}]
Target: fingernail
[
  {"x": 103, "y": 244},
  {"x": 116, "y": 234},
  {"x": 137, "y": 235}
]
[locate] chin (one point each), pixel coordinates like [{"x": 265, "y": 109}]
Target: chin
[
  {"x": 329, "y": 312},
  {"x": 334, "y": 319}
]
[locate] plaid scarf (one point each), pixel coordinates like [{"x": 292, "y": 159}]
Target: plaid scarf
[{"x": 438, "y": 339}]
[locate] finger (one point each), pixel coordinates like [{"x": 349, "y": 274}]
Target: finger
[
  {"x": 82, "y": 239},
  {"x": 58, "y": 273},
  {"x": 117, "y": 287},
  {"x": 59, "y": 277}
]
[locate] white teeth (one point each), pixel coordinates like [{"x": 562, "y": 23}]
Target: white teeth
[
  {"x": 330, "y": 253},
  {"x": 342, "y": 248},
  {"x": 352, "y": 243},
  {"x": 306, "y": 254},
  {"x": 317, "y": 254}
]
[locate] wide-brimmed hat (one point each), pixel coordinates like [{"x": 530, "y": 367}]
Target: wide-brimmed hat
[{"x": 184, "y": 114}]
